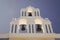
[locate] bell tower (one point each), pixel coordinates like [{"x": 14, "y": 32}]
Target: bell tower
[{"x": 30, "y": 21}]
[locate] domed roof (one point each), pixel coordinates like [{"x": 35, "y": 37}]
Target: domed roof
[{"x": 29, "y": 9}]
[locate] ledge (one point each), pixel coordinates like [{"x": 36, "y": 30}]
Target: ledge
[
  {"x": 35, "y": 35},
  {"x": 4, "y": 35},
  {"x": 25, "y": 35}
]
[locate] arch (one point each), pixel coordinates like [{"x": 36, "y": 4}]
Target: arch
[
  {"x": 23, "y": 28},
  {"x": 38, "y": 28},
  {"x": 38, "y": 21},
  {"x": 30, "y": 9},
  {"x": 22, "y": 21}
]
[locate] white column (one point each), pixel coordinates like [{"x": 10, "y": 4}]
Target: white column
[
  {"x": 43, "y": 29},
  {"x": 39, "y": 12},
  {"x": 31, "y": 27},
  {"x": 10, "y": 28},
  {"x": 14, "y": 28},
  {"x": 34, "y": 29},
  {"x": 27, "y": 28},
  {"x": 21, "y": 12},
  {"x": 17, "y": 29},
  {"x": 35, "y": 13},
  {"x": 51, "y": 28},
  {"x": 48, "y": 29}
]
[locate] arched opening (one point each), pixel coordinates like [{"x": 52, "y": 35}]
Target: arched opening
[
  {"x": 38, "y": 28},
  {"x": 23, "y": 28},
  {"x": 29, "y": 14}
]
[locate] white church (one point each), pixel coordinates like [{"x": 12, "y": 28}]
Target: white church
[{"x": 30, "y": 26}]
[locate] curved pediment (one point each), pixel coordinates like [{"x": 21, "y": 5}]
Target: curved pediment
[
  {"x": 22, "y": 21},
  {"x": 38, "y": 21}
]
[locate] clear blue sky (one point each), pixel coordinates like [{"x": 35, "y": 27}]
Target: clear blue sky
[{"x": 11, "y": 8}]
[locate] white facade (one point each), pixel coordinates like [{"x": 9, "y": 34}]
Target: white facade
[{"x": 30, "y": 21}]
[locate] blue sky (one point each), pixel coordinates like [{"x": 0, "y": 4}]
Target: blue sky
[{"x": 11, "y": 8}]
